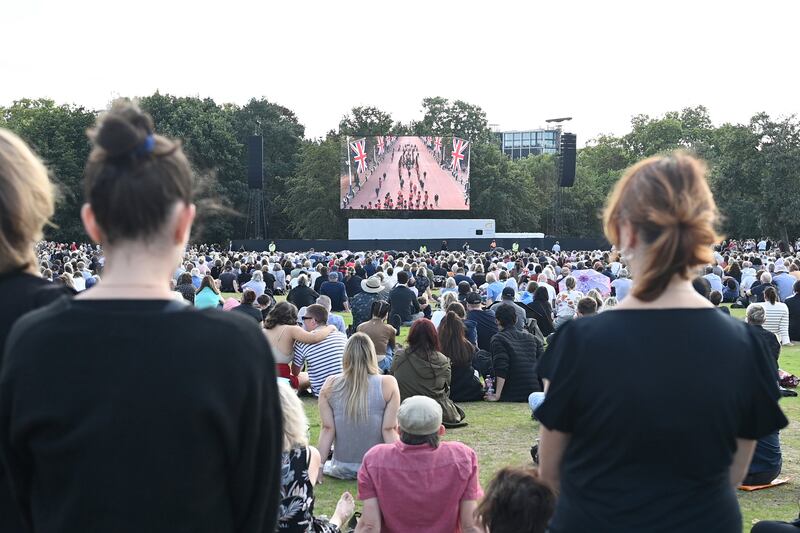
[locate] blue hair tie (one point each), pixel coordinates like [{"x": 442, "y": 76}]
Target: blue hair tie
[{"x": 147, "y": 146}]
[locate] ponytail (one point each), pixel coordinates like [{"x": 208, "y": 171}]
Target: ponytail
[{"x": 771, "y": 295}]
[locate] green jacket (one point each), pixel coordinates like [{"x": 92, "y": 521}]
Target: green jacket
[{"x": 420, "y": 376}]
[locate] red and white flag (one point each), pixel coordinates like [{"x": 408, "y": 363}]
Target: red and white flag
[
  {"x": 359, "y": 153},
  {"x": 437, "y": 142},
  {"x": 381, "y": 145},
  {"x": 459, "y": 145}
]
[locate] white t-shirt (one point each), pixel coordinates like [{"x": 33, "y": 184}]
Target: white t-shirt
[{"x": 567, "y": 302}]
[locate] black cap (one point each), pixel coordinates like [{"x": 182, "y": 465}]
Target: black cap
[
  {"x": 473, "y": 298},
  {"x": 508, "y": 293}
]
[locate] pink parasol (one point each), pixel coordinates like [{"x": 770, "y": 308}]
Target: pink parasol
[{"x": 587, "y": 280}]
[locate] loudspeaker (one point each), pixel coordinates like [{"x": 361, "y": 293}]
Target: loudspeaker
[
  {"x": 255, "y": 162},
  {"x": 566, "y": 160}
]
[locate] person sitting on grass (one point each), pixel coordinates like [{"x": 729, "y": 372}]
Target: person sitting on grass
[
  {"x": 425, "y": 307},
  {"x": 767, "y": 461},
  {"x": 300, "y": 471},
  {"x": 470, "y": 326},
  {"x": 333, "y": 319},
  {"x": 715, "y": 297},
  {"x": 357, "y": 408},
  {"x": 422, "y": 370},
  {"x": 464, "y": 384},
  {"x": 322, "y": 359},
  {"x": 419, "y": 483},
  {"x": 515, "y": 355},
  {"x": 361, "y": 303},
  {"x": 382, "y": 335},
  {"x": 404, "y": 305},
  {"x": 587, "y": 306},
  {"x": 302, "y": 295},
  {"x": 208, "y": 295},
  {"x": 185, "y": 288},
  {"x": 282, "y": 331},
  {"x": 446, "y": 299},
  {"x": 777, "y": 313},
  {"x": 247, "y": 306},
  {"x": 336, "y": 291},
  {"x": 516, "y": 501},
  {"x": 256, "y": 283}
]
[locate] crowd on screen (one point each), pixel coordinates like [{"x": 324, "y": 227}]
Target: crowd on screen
[{"x": 152, "y": 385}]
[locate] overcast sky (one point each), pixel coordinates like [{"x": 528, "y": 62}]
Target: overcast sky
[{"x": 522, "y": 62}]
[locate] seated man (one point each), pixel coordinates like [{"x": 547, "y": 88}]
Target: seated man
[
  {"x": 484, "y": 319},
  {"x": 361, "y": 303},
  {"x": 404, "y": 305},
  {"x": 336, "y": 291},
  {"x": 324, "y": 358},
  {"x": 515, "y": 355},
  {"x": 333, "y": 320},
  {"x": 507, "y": 297},
  {"x": 419, "y": 483}
]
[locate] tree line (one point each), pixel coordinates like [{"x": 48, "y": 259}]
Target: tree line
[{"x": 754, "y": 167}]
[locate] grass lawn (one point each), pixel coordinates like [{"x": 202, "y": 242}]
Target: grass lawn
[{"x": 502, "y": 435}]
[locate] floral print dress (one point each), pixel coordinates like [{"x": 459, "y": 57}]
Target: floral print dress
[{"x": 296, "y": 512}]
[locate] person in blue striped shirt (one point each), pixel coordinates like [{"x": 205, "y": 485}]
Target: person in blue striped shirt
[{"x": 324, "y": 358}]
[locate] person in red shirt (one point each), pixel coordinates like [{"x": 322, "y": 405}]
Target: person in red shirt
[{"x": 419, "y": 483}]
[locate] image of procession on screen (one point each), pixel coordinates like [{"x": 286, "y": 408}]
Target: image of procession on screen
[{"x": 425, "y": 173}]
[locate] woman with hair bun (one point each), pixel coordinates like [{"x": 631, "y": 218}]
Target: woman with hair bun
[
  {"x": 654, "y": 407},
  {"x": 152, "y": 415}
]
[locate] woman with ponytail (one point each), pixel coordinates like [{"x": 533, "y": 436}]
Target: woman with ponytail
[
  {"x": 358, "y": 409},
  {"x": 654, "y": 407},
  {"x": 777, "y": 315}
]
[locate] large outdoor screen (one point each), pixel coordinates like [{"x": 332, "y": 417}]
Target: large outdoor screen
[{"x": 405, "y": 173}]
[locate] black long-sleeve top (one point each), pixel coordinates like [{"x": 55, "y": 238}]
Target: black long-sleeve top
[{"x": 127, "y": 416}]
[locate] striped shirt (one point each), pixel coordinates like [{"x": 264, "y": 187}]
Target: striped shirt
[
  {"x": 776, "y": 320},
  {"x": 324, "y": 359}
]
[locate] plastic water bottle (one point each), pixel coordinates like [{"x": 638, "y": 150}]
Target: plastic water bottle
[{"x": 489, "y": 385}]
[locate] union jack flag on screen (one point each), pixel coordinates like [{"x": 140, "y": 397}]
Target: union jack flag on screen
[
  {"x": 459, "y": 145},
  {"x": 381, "y": 144},
  {"x": 359, "y": 153},
  {"x": 437, "y": 142}
]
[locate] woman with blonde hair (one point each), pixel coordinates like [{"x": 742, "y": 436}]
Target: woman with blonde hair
[
  {"x": 26, "y": 205},
  {"x": 608, "y": 443},
  {"x": 446, "y": 299},
  {"x": 300, "y": 472},
  {"x": 256, "y": 283},
  {"x": 358, "y": 409}
]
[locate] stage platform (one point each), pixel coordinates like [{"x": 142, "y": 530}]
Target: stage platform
[{"x": 405, "y": 245}]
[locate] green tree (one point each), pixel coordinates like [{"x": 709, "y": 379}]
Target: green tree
[
  {"x": 459, "y": 118},
  {"x": 210, "y": 141},
  {"x": 58, "y": 134},
  {"x": 780, "y": 188},
  {"x": 366, "y": 121},
  {"x": 312, "y": 194},
  {"x": 283, "y": 137},
  {"x": 502, "y": 189},
  {"x": 736, "y": 174}
]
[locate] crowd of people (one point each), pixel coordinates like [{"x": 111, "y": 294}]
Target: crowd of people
[{"x": 152, "y": 385}]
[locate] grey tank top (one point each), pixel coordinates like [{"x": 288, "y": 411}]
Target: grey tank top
[{"x": 353, "y": 439}]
